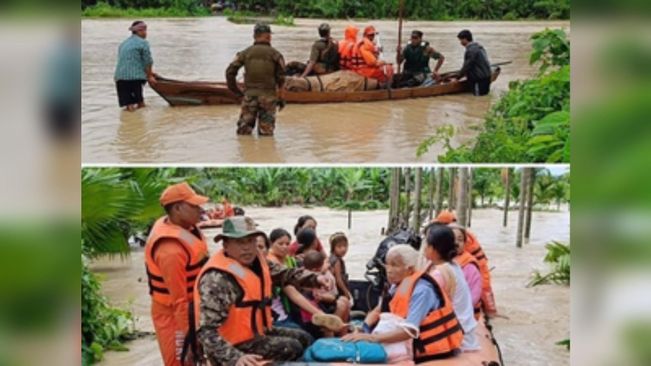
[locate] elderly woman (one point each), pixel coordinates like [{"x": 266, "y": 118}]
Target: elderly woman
[{"x": 417, "y": 298}]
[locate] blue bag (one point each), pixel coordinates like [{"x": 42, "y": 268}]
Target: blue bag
[{"x": 334, "y": 349}]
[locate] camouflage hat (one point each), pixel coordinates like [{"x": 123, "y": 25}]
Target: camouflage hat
[
  {"x": 238, "y": 227},
  {"x": 261, "y": 28},
  {"x": 324, "y": 27}
]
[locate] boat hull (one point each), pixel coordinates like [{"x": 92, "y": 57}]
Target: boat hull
[{"x": 189, "y": 93}]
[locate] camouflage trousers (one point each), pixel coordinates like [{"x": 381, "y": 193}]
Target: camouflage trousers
[
  {"x": 279, "y": 344},
  {"x": 263, "y": 109}
]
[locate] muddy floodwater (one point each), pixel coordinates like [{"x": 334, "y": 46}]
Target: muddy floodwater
[
  {"x": 537, "y": 317},
  {"x": 201, "y": 49}
]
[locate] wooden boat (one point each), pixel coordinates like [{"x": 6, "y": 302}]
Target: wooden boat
[
  {"x": 177, "y": 92},
  {"x": 488, "y": 355}
]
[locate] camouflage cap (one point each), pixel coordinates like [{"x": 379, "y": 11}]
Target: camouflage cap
[
  {"x": 238, "y": 227},
  {"x": 324, "y": 27},
  {"x": 261, "y": 28}
]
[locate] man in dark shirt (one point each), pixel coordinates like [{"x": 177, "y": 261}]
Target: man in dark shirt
[
  {"x": 476, "y": 67},
  {"x": 416, "y": 56}
]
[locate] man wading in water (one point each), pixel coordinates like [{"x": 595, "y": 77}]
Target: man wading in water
[
  {"x": 134, "y": 68},
  {"x": 476, "y": 67},
  {"x": 264, "y": 76}
]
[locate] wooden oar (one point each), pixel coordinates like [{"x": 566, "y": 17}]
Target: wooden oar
[
  {"x": 456, "y": 72},
  {"x": 400, "y": 14}
]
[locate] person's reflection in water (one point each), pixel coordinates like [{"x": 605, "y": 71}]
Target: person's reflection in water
[
  {"x": 259, "y": 150},
  {"x": 133, "y": 143}
]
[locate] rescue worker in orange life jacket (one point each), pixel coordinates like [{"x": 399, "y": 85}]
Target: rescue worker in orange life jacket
[
  {"x": 174, "y": 253},
  {"x": 324, "y": 56},
  {"x": 233, "y": 301},
  {"x": 372, "y": 66},
  {"x": 348, "y": 58},
  {"x": 416, "y": 297}
]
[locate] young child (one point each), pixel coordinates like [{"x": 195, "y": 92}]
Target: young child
[
  {"x": 338, "y": 249},
  {"x": 328, "y": 300},
  {"x": 307, "y": 241}
]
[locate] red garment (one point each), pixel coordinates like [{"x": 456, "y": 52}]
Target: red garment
[{"x": 293, "y": 247}]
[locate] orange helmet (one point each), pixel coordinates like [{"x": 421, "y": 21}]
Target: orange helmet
[
  {"x": 369, "y": 30},
  {"x": 445, "y": 217}
]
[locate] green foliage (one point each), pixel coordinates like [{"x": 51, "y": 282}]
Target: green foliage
[
  {"x": 531, "y": 122},
  {"x": 103, "y": 327},
  {"x": 374, "y": 9},
  {"x": 565, "y": 343},
  {"x": 558, "y": 255},
  {"x": 551, "y": 48},
  {"x": 284, "y": 20},
  {"x": 172, "y": 9}
]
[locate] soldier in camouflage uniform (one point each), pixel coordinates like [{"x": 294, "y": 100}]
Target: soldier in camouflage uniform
[
  {"x": 218, "y": 292},
  {"x": 264, "y": 76}
]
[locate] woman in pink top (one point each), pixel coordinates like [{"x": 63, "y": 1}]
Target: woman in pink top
[{"x": 465, "y": 260}]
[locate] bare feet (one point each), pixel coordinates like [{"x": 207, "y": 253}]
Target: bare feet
[
  {"x": 141, "y": 105},
  {"x": 131, "y": 107},
  {"x": 328, "y": 321}
]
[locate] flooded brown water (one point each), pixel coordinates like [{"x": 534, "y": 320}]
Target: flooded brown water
[
  {"x": 200, "y": 49},
  {"x": 538, "y": 317}
]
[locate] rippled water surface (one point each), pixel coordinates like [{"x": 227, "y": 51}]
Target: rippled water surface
[{"x": 201, "y": 49}]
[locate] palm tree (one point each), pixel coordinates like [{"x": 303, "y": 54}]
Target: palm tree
[
  {"x": 439, "y": 190},
  {"x": 506, "y": 176},
  {"x": 353, "y": 181},
  {"x": 559, "y": 192},
  {"x": 524, "y": 175},
  {"x": 116, "y": 203},
  {"x": 462, "y": 197}
]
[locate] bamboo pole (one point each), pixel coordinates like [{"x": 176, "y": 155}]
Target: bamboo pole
[
  {"x": 531, "y": 182},
  {"x": 394, "y": 200},
  {"x": 521, "y": 211},
  {"x": 439, "y": 190},
  {"x": 451, "y": 197},
  {"x": 400, "y": 15},
  {"x": 462, "y": 197},
  {"x": 407, "y": 211},
  {"x": 417, "y": 191},
  {"x": 430, "y": 195},
  {"x": 506, "y": 173},
  {"x": 469, "y": 197}
]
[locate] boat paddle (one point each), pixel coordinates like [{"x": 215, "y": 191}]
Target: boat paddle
[{"x": 400, "y": 13}]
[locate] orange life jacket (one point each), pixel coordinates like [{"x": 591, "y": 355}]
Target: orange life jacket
[
  {"x": 250, "y": 316},
  {"x": 440, "y": 331},
  {"x": 366, "y": 45},
  {"x": 195, "y": 247},
  {"x": 463, "y": 260},
  {"x": 472, "y": 246},
  {"x": 229, "y": 211},
  {"x": 349, "y": 58}
]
